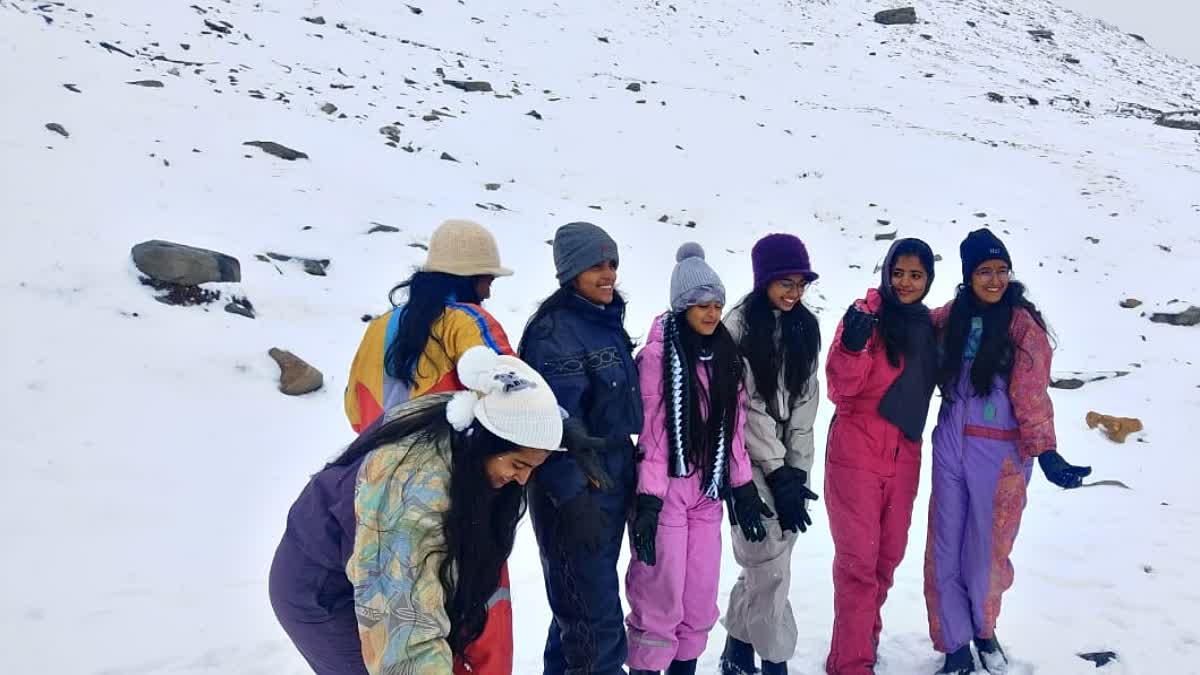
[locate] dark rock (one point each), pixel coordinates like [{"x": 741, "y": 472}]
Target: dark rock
[
  {"x": 318, "y": 20},
  {"x": 181, "y": 294},
  {"x": 884, "y": 222},
  {"x": 1099, "y": 658},
  {"x": 1188, "y": 317},
  {"x": 491, "y": 187},
  {"x": 1042, "y": 34},
  {"x": 885, "y": 236},
  {"x": 1137, "y": 37},
  {"x": 313, "y": 266},
  {"x": 603, "y": 39},
  {"x": 186, "y": 265},
  {"x": 634, "y": 86},
  {"x": 994, "y": 97},
  {"x": 448, "y": 157},
  {"x": 280, "y": 151},
  {"x": 471, "y": 85},
  {"x": 414, "y": 10},
  {"x": 329, "y": 108},
  {"x": 1128, "y": 109},
  {"x": 663, "y": 219},
  {"x": 1094, "y": 240},
  {"x": 223, "y": 28},
  {"x": 534, "y": 114},
  {"x": 72, "y": 87},
  {"x": 417, "y": 244},
  {"x": 1069, "y": 383},
  {"x": 380, "y": 227},
  {"x": 491, "y": 206},
  {"x": 1131, "y": 303},
  {"x": 391, "y": 131},
  {"x": 1071, "y": 60},
  {"x": 58, "y": 129},
  {"x": 1188, "y": 120},
  {"x": 893, "y": 17},
  {"x": 153, "y": 84},
  {"x": 240, "y": 306},
  {"x": 296, "y": 376},
  {"x": 981, "y": 214}
]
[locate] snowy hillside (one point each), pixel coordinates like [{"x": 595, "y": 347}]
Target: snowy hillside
[{"x": 147, "y": 459}]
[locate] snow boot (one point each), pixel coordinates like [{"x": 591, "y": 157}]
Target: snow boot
[
  {"x": 682, "y": 668},
  {"x": 773, "y": 668},
  {"x": 992, "y": 655},
  {"x": 960, "y": 662},
  {"x": 738, "y": 658}
]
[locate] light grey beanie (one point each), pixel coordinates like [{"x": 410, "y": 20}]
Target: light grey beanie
[
  {"x": 578, "y": 246},
  {"x": 693, "y": 282}
]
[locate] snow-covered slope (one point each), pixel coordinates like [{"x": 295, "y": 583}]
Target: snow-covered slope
[{"x": 148, "y": 461}]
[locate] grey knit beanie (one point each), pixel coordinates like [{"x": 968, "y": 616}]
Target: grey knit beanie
[
  {"x": 693, "y": 282},
  {"x": 578, "y": 246}
]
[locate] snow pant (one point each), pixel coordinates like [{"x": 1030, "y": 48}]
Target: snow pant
[
  {"x": 759, "y": 611},
  {"x": 315, "y": 606},
  {"x": 979, "y": 483},
  {"x": 673, "y": 604},
  {"x": 587, "y": 631},
  {"x": 869, "y": 516}
]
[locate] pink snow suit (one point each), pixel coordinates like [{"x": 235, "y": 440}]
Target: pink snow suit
[
  {"x": 673, "y": 604},
  {"x": 871, "y": 475},
  {"x": 982, "y": 459}
]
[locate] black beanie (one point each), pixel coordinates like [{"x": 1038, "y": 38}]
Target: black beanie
[{"x": 979, "y": 247}]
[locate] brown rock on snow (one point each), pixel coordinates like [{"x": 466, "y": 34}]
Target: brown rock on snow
[{"x": 296, "y": 376}]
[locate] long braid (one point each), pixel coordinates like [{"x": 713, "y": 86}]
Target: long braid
[{"x": 677, "y": 392}]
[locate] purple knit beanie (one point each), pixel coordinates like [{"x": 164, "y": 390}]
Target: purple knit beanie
[{"x": 780, "y": 255}]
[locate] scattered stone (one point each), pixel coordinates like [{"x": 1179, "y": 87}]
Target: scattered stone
[
  {"x": 153, "y": 84},
  {"x": 417, "y": 244},
  {"x": 329, "y": 108},
  {"x": 471, "y": 85},
  {"x": 1117, "y": 429},
  {"x": 58, "y": 129},
  {"x": 1188, "y": 120},
  {"x": 380, "y": 227},
  {"x": 224, "y": 28},
  {"x": 318, "y": 20},
  {"x": 883, "y": 221},
  {"x": 1067, "y": 384},
  {"x": 603, "y": 39},
  {"x": 690, "y": 223},
  {"x": 1101, "y": 659},
  {"x": 634, "y": 86},
  {"x": 1137, "y": 37},
  {"x": 414, "y": 10},
  {"x": 1188, "y": 317},
  {"x": 110, "y": 48},
  {"x": 185, "y": 265},
  {"x": 1071, "y": 59},
  {"x": 1094, "y": 240},
  {"x": 313, "y": 266},
  {"x": 240, "y": 306},
  {"x": 280, "y": 151},
  {"x": 663, "y": 219},
  {"x": 981, "y": 214},
  {"x": 885, "y": 236},
  {"x": 994, "y": 97},
  {"x": 72, "y": 87},
  {"x": 1042, "y": 34},
  {"x": 1164, "y": 247},
  {"x": 183, "y": 295},
  {"x": 391, "y": 131},
  {"x": 1131, "y": 303},
  {"x": 491, "y": 206},
  {"x": 491, "y": 187},
  {"x": 448, "y": 157},
  {"x": 296, "y": 376},
  {"x": 534, "y": 114},
  {"x": 1128, "y": 109},
  {"x": 893, "y": 17}
]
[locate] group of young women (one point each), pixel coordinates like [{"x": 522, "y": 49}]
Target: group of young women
[{"x": 394, "y": 555}]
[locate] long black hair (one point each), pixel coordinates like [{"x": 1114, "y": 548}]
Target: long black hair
[
  {"x": 560, "y": 299},
  {"x": 719, "y": 353},
  {"x": 795, "y": 355},
  {"x": 481, "y": 523},
  {"x": 894, "y": 316},
  {"x": 997, "y": 350},
  {"x": 428, "y": 295}
]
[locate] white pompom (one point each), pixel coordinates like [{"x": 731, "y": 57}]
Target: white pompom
[
  {"x": 460, "y": 410},
  {"x": 474, "y": 364},
  {"x": 689, "y": 250}
]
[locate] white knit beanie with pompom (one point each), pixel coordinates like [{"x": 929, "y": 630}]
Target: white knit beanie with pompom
[
  {"x": 509, "y": 399},
  {"x": 693, "y": 282}
]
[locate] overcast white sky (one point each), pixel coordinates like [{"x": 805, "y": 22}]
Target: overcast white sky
[{"x": 1170, "y": 25}]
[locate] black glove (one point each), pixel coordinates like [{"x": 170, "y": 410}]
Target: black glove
[
  {"x": 857, "y": 327},
  {"x": 1059, "y": 472},
  {"x": 645, "y": 528},
  {"x": 791, "y": 495},
  {"x": 586, "y": 451},
  {"x": 748, "y": 511},
  {"x": 581, "y": 523}
]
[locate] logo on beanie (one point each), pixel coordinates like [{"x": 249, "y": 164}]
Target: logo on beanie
[
  {"x": 995, "y": 250},
  {"x": 513, "y": 382}
]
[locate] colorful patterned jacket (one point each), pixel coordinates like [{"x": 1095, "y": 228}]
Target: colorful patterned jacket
[{"x": 370, "y": 390}]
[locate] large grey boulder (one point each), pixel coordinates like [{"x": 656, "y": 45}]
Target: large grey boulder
[{"x": 181, "y": 264}]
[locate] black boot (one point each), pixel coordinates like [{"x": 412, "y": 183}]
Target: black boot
[
  {"x": 994, "y": 660},
  {"x": 773, "y": 668},
  {"x": 682, "y": 668},
  {"x": 960, "y": 662},
  {"x": 738, "y": 658}
]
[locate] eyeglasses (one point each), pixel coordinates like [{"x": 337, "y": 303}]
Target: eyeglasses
[
  {"x": 788, "y": 286},
  {"x": 987, "y": 274}
]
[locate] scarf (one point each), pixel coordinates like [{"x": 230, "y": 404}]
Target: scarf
[{"x": 680, "y": 380}]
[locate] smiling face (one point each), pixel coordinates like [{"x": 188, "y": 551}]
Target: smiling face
[
  {"x": 597, "y": 284},
  {"x": 785, "y": 292},
  {"x": 513, "y": 466},
  {"x": 989, "y": 281},
  {"x": 909, "y": 279},
  {"x": 705, "y": 318}
]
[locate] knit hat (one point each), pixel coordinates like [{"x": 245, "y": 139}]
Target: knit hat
[
  {"x": 509, "y": 399},
  {"x": 780, "y": 255},
  {"x": 979, "y": 247},
  {"x": 693, "y": 282},
  {"x": 578, "y": 246},
  {"x": 464, "y": 248},
  {"x": 902, "y": 247}
]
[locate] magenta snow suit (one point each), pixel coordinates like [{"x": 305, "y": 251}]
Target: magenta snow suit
[
  {"x": 983, "y": 450},
  {"x": 673, "y": 604}
]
